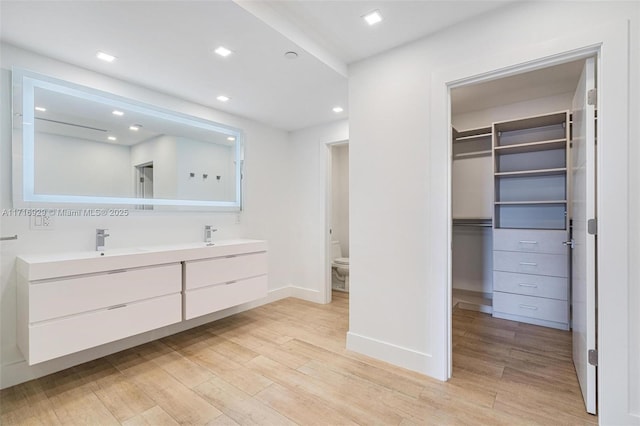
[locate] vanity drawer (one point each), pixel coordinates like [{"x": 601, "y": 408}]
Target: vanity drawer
[
  {"x": 63, "y": 297},
  {"x": 530, "y": 240},
  {"x": 531, "y": 263},
  {"x": 219, "y": 270},
  {"x": 64, "y": 336},
  {"x": 205, "y": 300},
  {"x": 531, "y": 285},
  {"x": 531, "y": 307}
]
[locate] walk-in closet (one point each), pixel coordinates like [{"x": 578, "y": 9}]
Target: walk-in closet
[{"x": 514, "y": 173}]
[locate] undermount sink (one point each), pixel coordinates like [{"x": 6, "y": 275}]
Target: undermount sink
[{"x": 120, "y": 252}]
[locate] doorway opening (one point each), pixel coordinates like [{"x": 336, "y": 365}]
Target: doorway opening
[
  {"x": 337, "y": 217},
  {"x": 144, "y": 183},
  {"x": 513, "y": 275}
]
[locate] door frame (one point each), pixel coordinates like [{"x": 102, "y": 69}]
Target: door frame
[
  {"x": 609, "y": 44},
  {"x": 328, "y": 205}
]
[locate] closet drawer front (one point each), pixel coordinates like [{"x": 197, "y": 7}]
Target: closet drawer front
[
  {"x": 206, "y": 300},
  {"x": 203, "y": 273},
  {"x": 531, "y": 263},
  {"x": 531, "y": 307},
  {"x": 531, "y": 285},
  {"x": 72, "y": 334},
  {"x": 530, "y": 240},
  {"x": 54, "y": 299}
]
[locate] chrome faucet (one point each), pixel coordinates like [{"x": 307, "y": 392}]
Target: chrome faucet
[
  {"x": 101, "y": 234},
  {"x": 208, "y": 232}
]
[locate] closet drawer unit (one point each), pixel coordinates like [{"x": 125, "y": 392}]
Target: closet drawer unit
[
  {"x": 73, "y": 295},
  {"x": 530, "y": 240},
  {"x": 63, "y": 336},
  {"x": 531, "y": 307},
  {"x": 531, "y": 263},
  {"x": 531, "y": 285},
  {"x": 220, "y": 270},
  {"x": 206, "y": 300}
]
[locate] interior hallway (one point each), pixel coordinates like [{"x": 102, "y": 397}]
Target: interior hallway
[{"x": 285, "y": 363}]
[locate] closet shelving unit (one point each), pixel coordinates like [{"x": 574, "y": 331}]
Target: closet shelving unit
[
  {"x": 531, "y": 266},
  {"x": 472, "y": 143},
  {"x": 467, "y": 145}
]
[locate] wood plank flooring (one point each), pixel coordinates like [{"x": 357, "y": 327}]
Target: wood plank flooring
[{"x": 285, "y": 363}]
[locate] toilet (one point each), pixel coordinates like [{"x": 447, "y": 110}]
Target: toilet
[{"x": 339, "y": 268}]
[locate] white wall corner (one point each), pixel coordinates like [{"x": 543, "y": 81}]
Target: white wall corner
[
  {"x": 397, "y": 355},
  {"x": 277, "y": 294},
  {"x": 307, "y": 294}
]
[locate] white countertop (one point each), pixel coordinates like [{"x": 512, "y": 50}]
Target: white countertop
[{"x": 47, "y": 266}]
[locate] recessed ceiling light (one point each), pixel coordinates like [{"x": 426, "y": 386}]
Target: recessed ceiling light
[
  {"x": 337, "y": 109},
  {"x": 105, "y": 57},
  {"x": 135, "y": 127},
  {"x": 223, "y": 98},
  {"x": 118, "y": 113},
  {"x": 291, "y": 55},
  {"x": 231, "y": 138},
  {"x": 372, "y": 18},
  {"x": 223, "y": 51},
  {"x": 112, "y": 138},
  {"x": 41, "y": 109}
]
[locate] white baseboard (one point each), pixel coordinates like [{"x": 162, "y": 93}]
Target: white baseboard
[
  {"x": 18, "y": 371},
  {"x": 391, "y": 353},
  {"x": 314, "y": 296}
]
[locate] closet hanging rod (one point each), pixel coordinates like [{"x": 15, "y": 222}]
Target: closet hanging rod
[{"x": 480, "y": 223}]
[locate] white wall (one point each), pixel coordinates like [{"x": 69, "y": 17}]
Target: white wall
[
  {"x": 71, "y": 166},
  {"x": 340, "y": 196},
  {"x": 308, "y": 231},
  {"x": 397, "y": 298},
  {"x": 265, "y": 214}
]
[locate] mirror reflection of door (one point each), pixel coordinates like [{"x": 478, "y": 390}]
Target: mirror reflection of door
[{"x": 144, "y": 183}]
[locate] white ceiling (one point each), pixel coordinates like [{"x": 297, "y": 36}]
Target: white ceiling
[
  {"x": 167, "y": 46},
  {"x": 339, "y": 27}
]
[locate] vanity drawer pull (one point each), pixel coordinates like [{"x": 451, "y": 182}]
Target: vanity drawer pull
[
  {"x": 231, "y": 256},
  {"x": 124, "y": 305},
  {"x": 528, "y": 285},
  {"x": 230, "y": 282},
  {"x": 531, "y": 307},
  {"x": 528, "y": 242},
  {"x": 117, "y": 271},
  {"x": 528, "y": 264}
]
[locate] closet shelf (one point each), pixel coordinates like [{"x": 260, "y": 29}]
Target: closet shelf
[
  {"x": 539, "y": 172},
  {"x": 527, "y": 123},
  {"x": 531, "y": 146},
  {"x": 473, "y": 154},
  {"x": 472, "y": 137},
  {"x": 515, "y": 203}
]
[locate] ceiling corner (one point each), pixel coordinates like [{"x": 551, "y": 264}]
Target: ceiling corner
[{"x": 264, "y": 12}]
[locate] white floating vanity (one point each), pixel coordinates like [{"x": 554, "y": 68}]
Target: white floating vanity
[{"x": 74, "y": 301}]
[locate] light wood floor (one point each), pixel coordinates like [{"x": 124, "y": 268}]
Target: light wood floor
[{"x": 285, "y": 363}]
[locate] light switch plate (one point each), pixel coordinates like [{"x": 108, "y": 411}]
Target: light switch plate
[{"x": 44, "y": 222}]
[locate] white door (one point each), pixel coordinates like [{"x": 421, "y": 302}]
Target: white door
[{"x": 583, "y": 208}]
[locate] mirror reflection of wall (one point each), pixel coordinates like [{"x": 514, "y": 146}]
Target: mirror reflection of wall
[{"x": 73, "y": 166}]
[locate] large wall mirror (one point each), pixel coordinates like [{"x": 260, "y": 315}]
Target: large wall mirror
[{"x": 77, "y": 145}]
